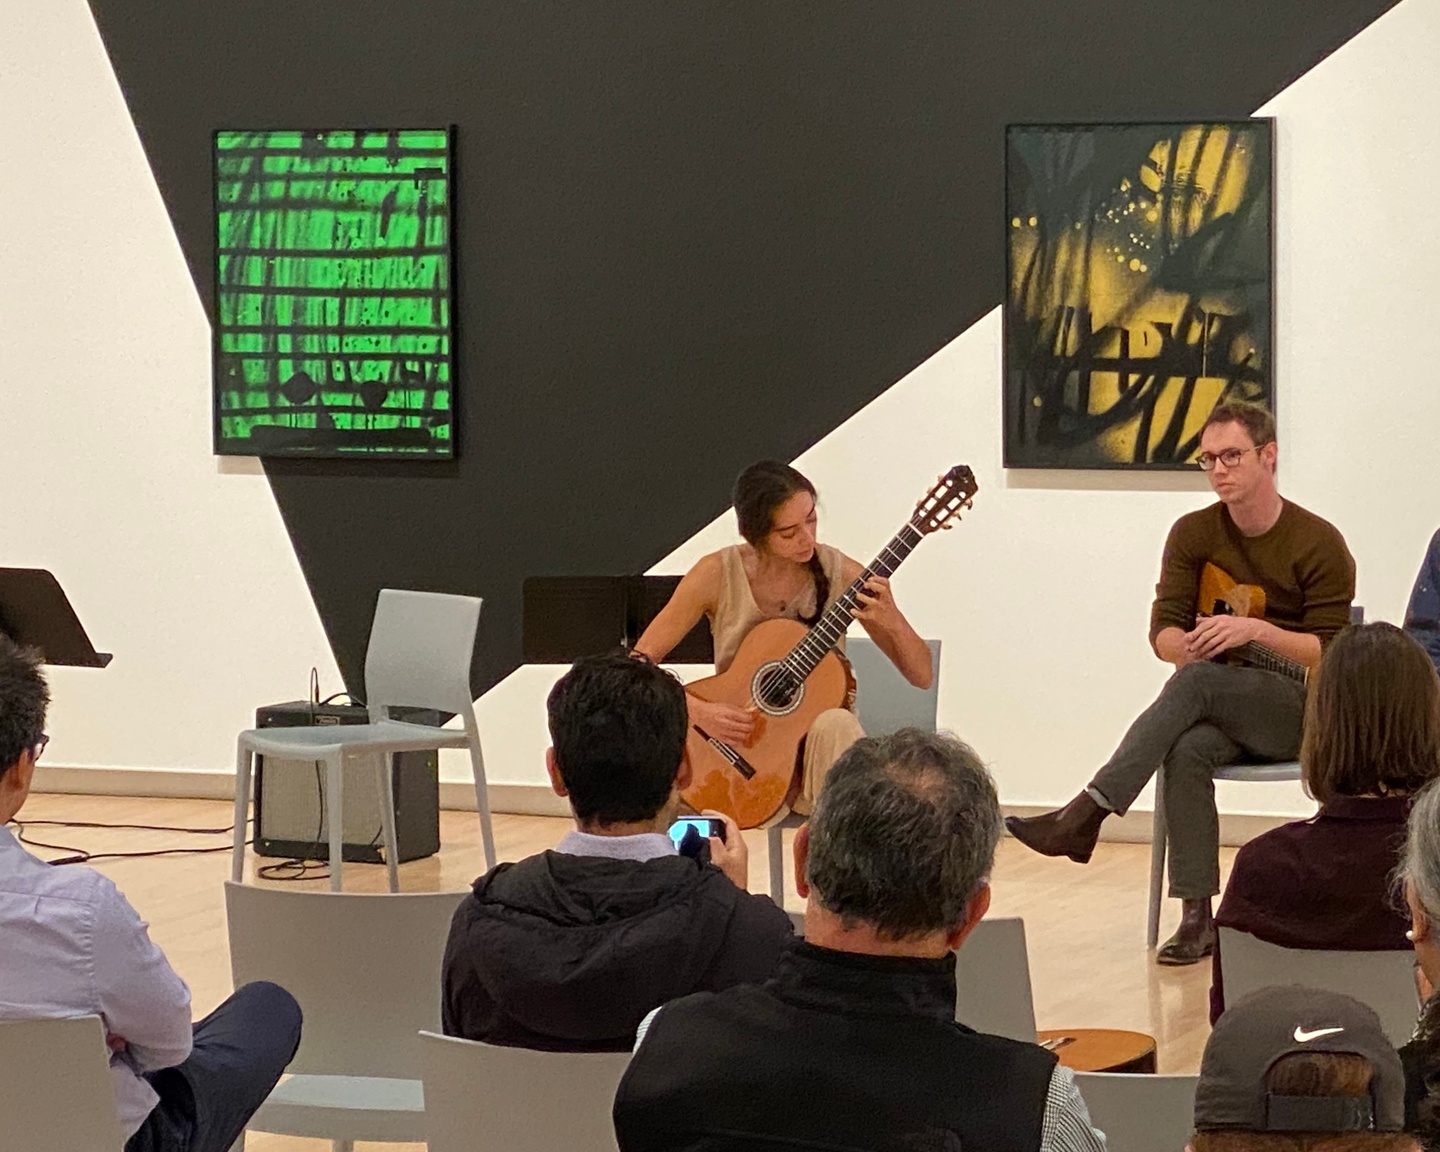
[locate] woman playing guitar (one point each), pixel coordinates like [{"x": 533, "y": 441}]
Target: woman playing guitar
[{"x": 780, "y": 571}]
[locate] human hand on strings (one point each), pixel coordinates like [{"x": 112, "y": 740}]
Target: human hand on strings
[
  {"x": 726, "y": 722},
  {"x": 875, "y": 604},
  {"x": 1213, "y": 635}
]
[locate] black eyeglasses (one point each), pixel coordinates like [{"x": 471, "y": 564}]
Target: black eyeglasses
[
  {"x": 1230, "y": 457},
  {"x": 39, "y": 748}
]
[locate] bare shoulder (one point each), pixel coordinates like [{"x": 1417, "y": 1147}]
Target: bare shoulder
[
  {"x": 703, "y": 579},
  {"x": 849, "y": 567}
]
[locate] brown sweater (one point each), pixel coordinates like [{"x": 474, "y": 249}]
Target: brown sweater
[{"x": 1302, "y": 563}]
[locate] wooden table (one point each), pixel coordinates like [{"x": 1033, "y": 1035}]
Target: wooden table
[{"x": 1101, "y": 1049}]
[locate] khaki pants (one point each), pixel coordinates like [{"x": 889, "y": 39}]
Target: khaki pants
[{"x": 832, "y": 733}]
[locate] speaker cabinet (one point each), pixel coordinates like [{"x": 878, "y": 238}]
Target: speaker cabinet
[{"x": 290, "y": 808}]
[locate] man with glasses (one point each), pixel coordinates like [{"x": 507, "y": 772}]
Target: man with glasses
[
  {"x": 71, "y": 945},
  {"x": 1210, "y": 714}
]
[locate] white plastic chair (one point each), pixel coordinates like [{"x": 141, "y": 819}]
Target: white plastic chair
[
  {"x": 1257, "y": 773},
  {"x": 992, "y": 980},
  {"x": 420, "y": 651},
  {"x": 1140, "y": 1112},
  {"x": 56, "y": 1093},
  {"x": 1383, "y": 980},
  {"x": 885, "y": 702},
  {"x": 482, "y": 1098},
  {"x": 366, "y": 972}
]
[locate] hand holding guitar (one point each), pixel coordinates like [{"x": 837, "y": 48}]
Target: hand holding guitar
[
  {"x": 728, "y": 723},
  {"x": 875, "y": 605},
  {"x": 1213, "y": 635}
]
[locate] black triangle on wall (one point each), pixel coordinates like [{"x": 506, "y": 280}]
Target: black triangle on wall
[{"x": 689, "y": 235}]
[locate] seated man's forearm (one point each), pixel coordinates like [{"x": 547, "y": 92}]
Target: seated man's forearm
[
  {"x": 1171, "y": 647},
  {"x": 1302, "y": 647}
]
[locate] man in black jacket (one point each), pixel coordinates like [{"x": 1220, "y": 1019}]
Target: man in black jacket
[
  {"x": 570, "y": 949},
  {"x": 854, "y": 1044}
]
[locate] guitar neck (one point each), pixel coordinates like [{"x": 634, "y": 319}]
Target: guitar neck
[
  {"x": 825, "y": 633},
  {"x": 1259, "y": 656}
]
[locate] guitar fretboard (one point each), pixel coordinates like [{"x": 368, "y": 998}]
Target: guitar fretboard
[
  {"x": 1259, "y": 656},
  {"x": 825, "y": 633}
]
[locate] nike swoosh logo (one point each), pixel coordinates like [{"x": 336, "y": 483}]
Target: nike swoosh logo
[{"x": 1304, "y": 1037}]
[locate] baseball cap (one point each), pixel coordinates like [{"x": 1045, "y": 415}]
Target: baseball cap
[{"x": 1275, "y": 1022}]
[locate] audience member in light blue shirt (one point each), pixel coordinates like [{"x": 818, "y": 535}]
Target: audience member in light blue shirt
[{"x": 71, "y": 945}]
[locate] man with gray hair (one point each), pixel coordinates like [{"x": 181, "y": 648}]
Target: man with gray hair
[{"x": 854, "y": 1043}]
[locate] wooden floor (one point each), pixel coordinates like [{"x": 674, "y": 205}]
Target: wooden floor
[{"x": 1085, "y": 925}]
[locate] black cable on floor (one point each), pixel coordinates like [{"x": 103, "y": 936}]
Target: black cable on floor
[{"x": 82, "y": 856}]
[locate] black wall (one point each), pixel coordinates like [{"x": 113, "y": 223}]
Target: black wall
[{"x": 690, "y": 234}]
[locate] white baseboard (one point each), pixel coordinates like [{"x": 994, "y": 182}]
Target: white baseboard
[
  {"x": 1134, "y": 827},
  {"x": 197, "y": 784},
  {"x": 176, "y": 783}
]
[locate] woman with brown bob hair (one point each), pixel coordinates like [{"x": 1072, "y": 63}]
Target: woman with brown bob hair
[{"x": 1371, "y": 740}]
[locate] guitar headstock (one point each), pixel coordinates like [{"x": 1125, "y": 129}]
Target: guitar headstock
[{"x": 942, "y": 505}]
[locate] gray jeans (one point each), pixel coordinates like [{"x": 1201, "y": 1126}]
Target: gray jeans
[{"x": 1206, "y": 716}]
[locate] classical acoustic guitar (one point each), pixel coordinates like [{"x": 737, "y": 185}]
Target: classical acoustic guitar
[
  {"x": 1220, "y": 595},
  {"x": 788, "y": 673}
]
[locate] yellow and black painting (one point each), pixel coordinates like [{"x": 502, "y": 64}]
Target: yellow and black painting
[{"x": 1139, "y": 288}]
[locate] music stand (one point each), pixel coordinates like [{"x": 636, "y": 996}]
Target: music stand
[
  {"x": 567, "y": 617},
  {"x": 35, "y": 613}
]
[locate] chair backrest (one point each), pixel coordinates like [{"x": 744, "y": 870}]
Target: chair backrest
[
  {"x": 1383, "y": 980},
  {"x": 992, "y": 980},
  {"x": 421, "y": 647},
  {"x": 56, "y": 1093},
  {"x": 365, "y": 969},
  {"x": 884, "y": 700},
  {"x": 479, "y": 1097},
  {"x": 1140, "y": 1112}
]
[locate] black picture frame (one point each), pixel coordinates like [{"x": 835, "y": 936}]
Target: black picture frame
[
  {"x": 1194, "y": 281},
  {"x": 372, "y": 396}
]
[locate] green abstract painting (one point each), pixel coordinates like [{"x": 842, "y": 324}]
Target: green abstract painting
[{"x": 333, "y": 313}]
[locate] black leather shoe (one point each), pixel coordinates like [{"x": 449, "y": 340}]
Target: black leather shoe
[
  {"x": 1193, "y": 940},
  {"x": 1069, "y": 831}
]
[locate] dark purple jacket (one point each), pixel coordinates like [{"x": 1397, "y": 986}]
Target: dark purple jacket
[{"x": 1324, "y": 883}]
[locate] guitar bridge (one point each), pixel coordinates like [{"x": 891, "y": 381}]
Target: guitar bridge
[{"x": 732, "y": 757}]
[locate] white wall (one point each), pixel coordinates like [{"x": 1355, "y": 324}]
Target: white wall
[
  {"x": 182, "y": 567},
  {"x": 176, "y": 563},
  {"x": 1042, "y": 595}
]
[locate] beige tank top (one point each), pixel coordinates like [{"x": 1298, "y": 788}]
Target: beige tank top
[{"x": 736, "y": 611}]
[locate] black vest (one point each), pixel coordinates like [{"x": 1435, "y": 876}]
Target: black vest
[{"x": 840, "y": 1052}]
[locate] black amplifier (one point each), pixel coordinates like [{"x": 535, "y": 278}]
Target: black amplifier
[{"x": 290, "y": 809}]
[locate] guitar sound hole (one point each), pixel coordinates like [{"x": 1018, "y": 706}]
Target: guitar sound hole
[{"x": 777, "y": 688}]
